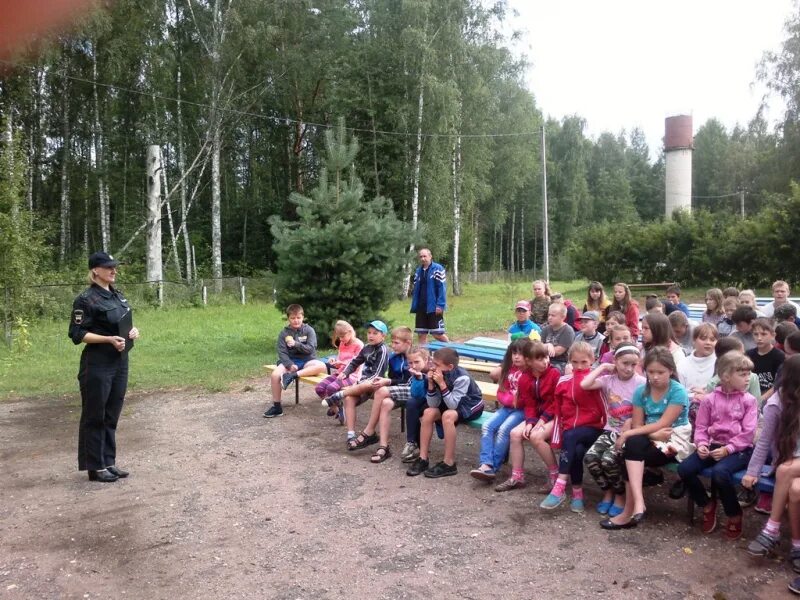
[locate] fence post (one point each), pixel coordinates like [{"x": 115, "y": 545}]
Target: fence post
[
  {"x": 205, "y": 295},
  {"x": 160, "y": 293},
  {"x": 241, "y": 290}
]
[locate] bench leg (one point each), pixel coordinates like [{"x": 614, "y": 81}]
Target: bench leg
[
  {"x": 402, "y": 419},
  {"x": 297, "y": 391}
]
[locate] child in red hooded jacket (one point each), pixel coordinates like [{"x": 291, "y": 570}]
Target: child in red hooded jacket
[
  {"x": 579, "y": 417},
  {"x": 535, "y": 392}
]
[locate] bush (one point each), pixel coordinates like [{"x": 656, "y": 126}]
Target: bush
[{"x": 699, "y": 249}]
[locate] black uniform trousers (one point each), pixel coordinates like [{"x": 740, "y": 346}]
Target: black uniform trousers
[{"x": 103, "y": 381}]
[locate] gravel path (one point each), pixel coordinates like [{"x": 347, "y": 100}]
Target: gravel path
[{"x": 222, "y": 503}]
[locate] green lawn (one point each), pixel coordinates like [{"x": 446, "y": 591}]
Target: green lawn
[{"x": 214, "y": 347}]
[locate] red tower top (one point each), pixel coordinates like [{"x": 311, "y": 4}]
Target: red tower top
[{"x": 678, "y": 133}]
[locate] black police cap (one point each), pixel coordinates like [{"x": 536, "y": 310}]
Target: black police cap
[{"x": 102, "y": 259}]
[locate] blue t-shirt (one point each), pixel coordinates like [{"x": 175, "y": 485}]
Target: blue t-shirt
[
  {"x": 524, "y": 328},
  {"x": 676, "y": 394}
]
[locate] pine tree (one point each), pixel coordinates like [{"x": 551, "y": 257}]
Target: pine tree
[{"x": 344, "y": 257}]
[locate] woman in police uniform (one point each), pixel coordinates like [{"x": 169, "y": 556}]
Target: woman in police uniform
[{"x": 101, "y": 319}]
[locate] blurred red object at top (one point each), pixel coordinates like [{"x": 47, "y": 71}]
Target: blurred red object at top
[{"x": 25, "y": 22}]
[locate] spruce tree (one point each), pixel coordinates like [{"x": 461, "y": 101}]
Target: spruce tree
[{"x": 344, "y": 256}]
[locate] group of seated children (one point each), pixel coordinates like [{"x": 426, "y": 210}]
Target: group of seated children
[{"x": 607, "y": 404}]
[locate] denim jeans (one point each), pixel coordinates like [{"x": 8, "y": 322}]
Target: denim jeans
[
  {"x": 722, "y": 478},
  {"x": 496, "y": 436}
]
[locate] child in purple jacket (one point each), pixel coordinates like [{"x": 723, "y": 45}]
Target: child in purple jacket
[{"x": 724, "y": 434}]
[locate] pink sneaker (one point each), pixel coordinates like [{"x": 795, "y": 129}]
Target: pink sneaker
[{"x": 764, "y": 504}]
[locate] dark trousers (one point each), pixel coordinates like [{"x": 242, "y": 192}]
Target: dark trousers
[
  {"x": 642, "y": 448},
  {"x": 103, "y": 384},
  {"x": 414, "y": 408},
  {"x": 574, "y": 446},
  {"x": 722, "y": 478}
]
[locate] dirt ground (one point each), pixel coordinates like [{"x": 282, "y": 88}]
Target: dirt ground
[{"x": 222, "y": 503}]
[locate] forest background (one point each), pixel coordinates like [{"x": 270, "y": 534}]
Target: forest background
[{"x": 238, "y": 95}]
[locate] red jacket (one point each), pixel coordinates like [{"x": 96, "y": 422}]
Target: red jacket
[
  {"x": 536, "y": 394},
  {"x": 632, "y": 319},
  {"x": 575, "y": 407}
]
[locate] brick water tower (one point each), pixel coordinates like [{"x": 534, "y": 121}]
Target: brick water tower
[{"x": 678, "y": 146}]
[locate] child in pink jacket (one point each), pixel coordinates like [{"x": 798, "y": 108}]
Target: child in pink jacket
[{"x": 724, "y": 434}]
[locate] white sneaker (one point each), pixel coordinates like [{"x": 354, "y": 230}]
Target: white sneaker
[{"x": 410, "y": 452}]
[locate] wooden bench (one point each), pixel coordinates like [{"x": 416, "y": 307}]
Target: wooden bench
[
  {"x": 475, "y": 352},
  {"x": 648, "y": 286},
  {"x": 696, "y": 312},
  {"x": 487, "y": 342},
  {"x": 488, "y": 391}
]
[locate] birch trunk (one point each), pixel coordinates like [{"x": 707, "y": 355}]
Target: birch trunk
[
  {"x": 187, "y": 248},
  {"x": 522, "y": 238},
  {"x": 170, "y": 224},
  {"x": 511, "y": 244},
  {"x": 97, "y": 163},
  {"x": 64, "y": 204},
  {"x": 415, "y": 180},
  {"x": 10, "y": 166},
  {"x": 216, "y": 222},
  {"x": 475, "y": 246},
  {"x": 456, "y": 165},
  {"x": 154, "y": 169}
]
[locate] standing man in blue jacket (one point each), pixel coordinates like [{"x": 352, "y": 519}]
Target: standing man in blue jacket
[{"x": 429, "y": 298}]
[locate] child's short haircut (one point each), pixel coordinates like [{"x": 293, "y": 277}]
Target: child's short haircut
[
  {"x": 562, "y": 308},
  {"x": 581, "y": 348},
  {"x": 674, "y": 289},
  {"x": 535, "y": 350},
  {"x": 785, "y": 312},
  {"x": 730, "y": 292},
  {"x": 733, "y": 361},
  {"x": 402, "y": 333},
  {"x": 744, "y": 314},
  {"x": 730, "y": 302},
  {"x": 617, "y": 329},
  {"x": 677, "y": 317},
  {"x": 447, "y": 355},
  {"x": 784, "y": 330},
  {"x": 748, "y": 294},
  {"x": 294, "y": 309},
  {"x": 651, "y": 302},
  {"x": 793, "y": 341},
  {"x": 704, "y": 330},
  {"x": 419, "y": 350},
  {"x": 728, "y": 344},
  {"x": 617, "y": 316},
  {"x": 779, "y": 284},
  {"x": 764, "y": 324}
]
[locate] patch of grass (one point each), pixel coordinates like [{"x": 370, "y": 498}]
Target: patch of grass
[
  {"x": 208, "y": 347},
  {"x": 215, "y": 346}
]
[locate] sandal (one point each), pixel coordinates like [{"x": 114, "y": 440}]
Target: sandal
[
  {"x": 381, "y": 454},
  {"x": 362, "y": 440}
]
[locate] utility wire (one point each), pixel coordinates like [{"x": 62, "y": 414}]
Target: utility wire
[{"x": 279, "y": 120}]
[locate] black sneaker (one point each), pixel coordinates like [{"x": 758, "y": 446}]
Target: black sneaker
[
  {"x": 678, "y": 490},
  {"x": 794, "y": 586},
  {"x": 417, "y": 467},
  {"x": 287, "y": 379},
  {"x": 441, "y": 469},
  {"x": 652, "y": 477},
  {"x": 276, "y": 410}
]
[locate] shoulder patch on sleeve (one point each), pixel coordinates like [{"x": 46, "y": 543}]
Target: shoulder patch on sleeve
[{"x": 77, "y": 317}]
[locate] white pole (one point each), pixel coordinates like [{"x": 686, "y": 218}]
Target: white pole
[{"x": 545, "y": 223}]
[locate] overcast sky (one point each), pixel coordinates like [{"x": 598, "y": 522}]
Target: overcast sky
[{"x": 626, "y": 63}]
